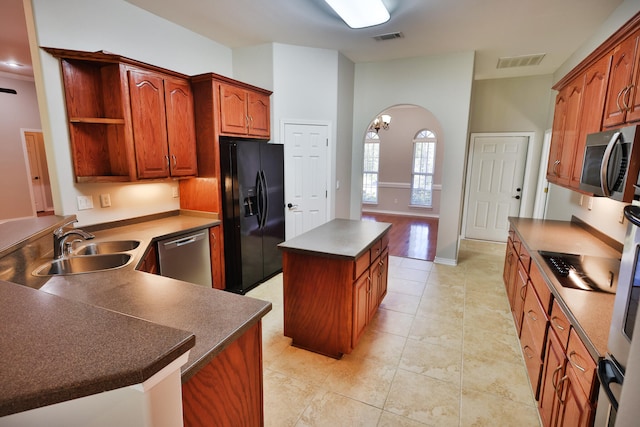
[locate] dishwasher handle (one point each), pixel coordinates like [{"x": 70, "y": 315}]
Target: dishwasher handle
[{"x": 182, "y": 241}]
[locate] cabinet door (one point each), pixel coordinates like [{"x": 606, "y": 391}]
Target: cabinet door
[
  {"x": 552, "y": 373},
  {"x": 216, "y": 257},
  {"x": 575, "y": 410},
  {"x": 233, "y": 110},
  {"x": 181, "y": 129},
  {"x": 622, "y": 63},
  {"x": 557, "y": 134},
  {"x": 258, "y": 112},
  {"x": 360, "y": 307},
  {"x": 571, "y": 131},
  {"x": 633, "y": 96},
  {"x": 146, "y": 91},
  {"x": 374, "y": 293},
  {"x": 383, "y": 275},
  {"x": 520, "y": 293},
  {"x": 594, "y": 94}
]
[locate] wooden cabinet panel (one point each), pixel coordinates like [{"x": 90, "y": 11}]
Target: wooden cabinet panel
[
  {"x": 622, "y": 64},
  {"x": 215, "y": 246},
  {"x": 575, "y": 409},
  {"x": 560, "y": 325},
  {"x": 148, "y": 120},
  {"x": 181, "y": 131},
  {"x": 383, "y": 275},
  {"x": 149, "y": 263},
  {"x": 258, "y": 111},
  {"x": 228, "y": 391},
  {"x": 541, "y": 287},
  {"x": 520, "y": 293},
  {"x": 233, "y": 110},
  {"x": 557, "y": 136},
  {"x": 360, "y": 307},
  {"x": 565, "y": 132},
  {"x": 244, "y": 112},
  {"x": 592, "y": 110},
  {"x": 553, "y": 371},
  {"x": 581, "y": 363}
]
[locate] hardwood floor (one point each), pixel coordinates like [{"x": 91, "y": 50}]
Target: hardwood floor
[{"x": 410, "y": 237}]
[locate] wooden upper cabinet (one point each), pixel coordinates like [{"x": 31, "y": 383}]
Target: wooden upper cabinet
[
  {"x": 148, "y": 120},
  {"x": 557, "y": 136},
  {"x": 621, "y": 92},
  {"x": 181, "y": 130},
  {"x": 127, "y": 120},
  {"x": 244, "y": 112},
  {"x": 592, "y": 109}
]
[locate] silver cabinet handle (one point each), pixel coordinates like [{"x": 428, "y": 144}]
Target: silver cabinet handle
[
  {"x": 573, "y": 353},
  {"x": 556, "y": 324}
]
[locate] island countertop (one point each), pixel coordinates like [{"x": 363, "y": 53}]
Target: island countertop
[{"x": 339, "y": 238}]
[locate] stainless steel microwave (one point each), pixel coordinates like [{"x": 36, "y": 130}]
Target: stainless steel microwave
[{"x": 611, "y": 163}]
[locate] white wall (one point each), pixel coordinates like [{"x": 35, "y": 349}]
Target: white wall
[
  {"x": 17, "y": 112},
  {"x": 440, "y": 84},
  {"x": 118, "y": 27},
  {"x": 563, "y": 203},
  {"x": 344, "y": 130}
]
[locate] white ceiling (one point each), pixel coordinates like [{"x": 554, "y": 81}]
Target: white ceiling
[{"x": 493, "y": 28}]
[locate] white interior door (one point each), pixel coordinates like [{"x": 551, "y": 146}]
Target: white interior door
[
  {"x": 306, "y": 173},
  {"x": 37, "y": 176},
  {"x": 494, "y": 188}
]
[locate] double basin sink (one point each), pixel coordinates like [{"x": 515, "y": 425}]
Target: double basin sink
[{"x": 91, "y": 257}]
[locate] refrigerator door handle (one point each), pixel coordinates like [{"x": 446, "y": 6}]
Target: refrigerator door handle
[
  {"x": 259, "y": 191},
  {"x": 265, "y": 195}
]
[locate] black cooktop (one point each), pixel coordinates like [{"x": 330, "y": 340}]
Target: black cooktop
[{"x": 584, "y": 272}]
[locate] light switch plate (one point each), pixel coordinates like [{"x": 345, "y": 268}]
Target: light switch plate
[
  {"x": 85, "y": 202},
  {"x": 175, "y": 192},
  {"x": 105, "y": 200}
]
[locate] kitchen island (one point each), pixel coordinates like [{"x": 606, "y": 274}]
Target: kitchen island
[
  {"x": 334, "y": 278},
  {"x": 222, "y": 376}
]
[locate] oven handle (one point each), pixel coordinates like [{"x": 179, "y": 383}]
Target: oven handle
[
  {"x": 608, "y": 372},
  {"x": 604, "y": 167}
]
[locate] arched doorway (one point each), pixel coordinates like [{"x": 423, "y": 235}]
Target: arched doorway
[{"x": 402, "y": 179}]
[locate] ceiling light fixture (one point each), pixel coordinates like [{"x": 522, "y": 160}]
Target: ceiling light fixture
[
  {"x": 360, "y": 13},
  {"x": 382, "y": 121}
]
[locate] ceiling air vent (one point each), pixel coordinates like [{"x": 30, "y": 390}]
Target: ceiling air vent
[
  {"x": 520, "y": 61},
  {"x": 389, "y": 36}
]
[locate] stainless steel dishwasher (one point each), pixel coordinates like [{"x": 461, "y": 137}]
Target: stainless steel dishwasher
[{"x": 186, "y": 257}]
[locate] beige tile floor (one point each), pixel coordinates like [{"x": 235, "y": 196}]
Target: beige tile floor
[{"x": 441, "y": 351}]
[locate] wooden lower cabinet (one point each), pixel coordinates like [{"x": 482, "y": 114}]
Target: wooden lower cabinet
[
  {"x": 215, "y": 245},
  {"x": 329, "y": 301},
  {"x": 228, "y": 390},
  {"x": 149, "y": 263}
]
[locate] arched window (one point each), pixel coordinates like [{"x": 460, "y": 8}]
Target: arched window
[
  {"x": 370, "y": 169},
  {"x": 424, "y": 159}
]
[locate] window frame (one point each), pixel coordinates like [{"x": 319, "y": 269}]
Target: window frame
[
  {"x": 429, "y": 139},
  {"x": 371, "y": 138}
]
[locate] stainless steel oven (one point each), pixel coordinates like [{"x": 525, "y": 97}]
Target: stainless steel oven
[{"x": 611, "y": 370}]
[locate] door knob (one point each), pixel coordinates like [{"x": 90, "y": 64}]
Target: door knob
[
  {"x": 292, "y": 206},
  {"x": 516, "y": 197}
]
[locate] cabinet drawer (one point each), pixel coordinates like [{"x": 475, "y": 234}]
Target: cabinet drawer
[
  {"x": 361, "y": 265},
  {"x": 540, "y": 285},
  {"x": 376, "y": 250},
  {"x": 385, "y": 242},
  {"x": 524, "y": 257},
  {"x": 560, "y": 324},
  {"x": 535, "y": 319},
  {"x": 581, "y": 363}
]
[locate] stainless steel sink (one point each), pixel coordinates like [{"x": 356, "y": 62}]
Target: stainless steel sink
[
  {"x": 83, "y": 264},
  {"x": 109, "y": 247}
]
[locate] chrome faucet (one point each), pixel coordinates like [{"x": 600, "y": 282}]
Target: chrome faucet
[{"x": 60, "y": 237}]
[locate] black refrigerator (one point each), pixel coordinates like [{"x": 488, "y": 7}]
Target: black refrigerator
[{"x": 252, "y": 173}]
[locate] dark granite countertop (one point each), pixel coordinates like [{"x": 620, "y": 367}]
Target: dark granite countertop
[
  {"x": 215, "y": 317},
  {"x": 54, "y": 349},
  {"x": 339, "y": 238},
  {"x": 589, "y": 312}
]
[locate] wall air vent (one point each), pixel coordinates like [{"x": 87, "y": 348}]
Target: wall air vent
[
  {"x": 519, "y": 61},
  {"x": 389, "y": 36}
]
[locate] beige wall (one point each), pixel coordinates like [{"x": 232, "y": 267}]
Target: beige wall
[
  {"x": 515, "y": 105},
  {"x": 396, "y": 153},
  {"x": 17, "y": 112}
]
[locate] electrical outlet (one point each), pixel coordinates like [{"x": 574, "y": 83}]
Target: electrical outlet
[
  {"x": 105, "y": 200},
  {"x": 590, "y": 205},
  {"x": 621, "y": 216},
  {"x": 85, "y": 202},
  {"x": 175, "y": 191}
]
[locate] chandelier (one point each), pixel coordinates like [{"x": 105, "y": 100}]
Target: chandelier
[{"x": 382, "y": 121}]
